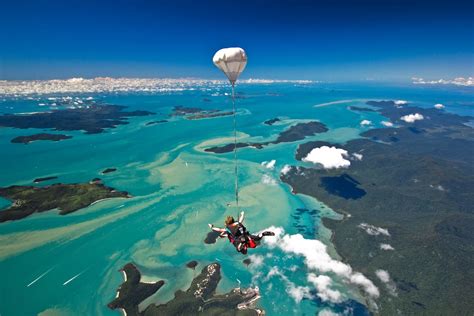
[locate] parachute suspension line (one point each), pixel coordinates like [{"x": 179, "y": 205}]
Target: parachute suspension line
[
  {"x": 232, "y": 61},
  {"x": 236, "y": 175}
]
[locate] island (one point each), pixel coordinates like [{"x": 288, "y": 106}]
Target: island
[
  {"x": 195, "y": 113},
  {"x": 406, "y": 206},
  {"x": 204, "y": 115},
  {"x": 211, "y": 237},
  {"x": 38, "y": 180},
  {"x": 41, "y": 136},
  {"x": 156, "y": 122},
  {"x": 67, "y": 198},
  {"x": 294, "y": 133},
  {"x": 360, "y": 109},
  {"x": 93, "y": 119},
  {"x": 180, "y": 110},
  {"x": 109, "y": 170},
  {"x": 199, "y": 298},
  {"x": 132, "y": 292},
  {"x": 192, "y": 264},
  {"x": 272, "y": 121}
]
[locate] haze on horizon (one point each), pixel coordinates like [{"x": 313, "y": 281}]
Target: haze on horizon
[{"x": 324, "y": 40}]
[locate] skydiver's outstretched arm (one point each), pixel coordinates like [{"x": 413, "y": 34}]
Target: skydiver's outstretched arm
[
  {"x": 241, "y": 217},
  {"x": 216, "y": 229},
  {"x": 222, "y": 232}
]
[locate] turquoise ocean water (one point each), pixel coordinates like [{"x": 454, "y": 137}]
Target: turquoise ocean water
[{"x": 177, "y": 189}]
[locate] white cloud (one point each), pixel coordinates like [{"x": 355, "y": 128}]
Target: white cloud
[
  {"x": 386, "y": 247},
  {"x": 293, "y": 268},
  {"x": 357, "y": 156},
  {"x": 256, "y": 260},
  {"x": 460, "y": 81},
  {"x": 438, "y": 187},
  {"x": 266, "y": 179},
  {"x": 384, "y": 276},
  {"x": 285, "y": 169},
  {"x": 410, "y": 118},
  {"x": 316, "y": 258},
  {"x": 400, "y": 102},
  {"x": 329, "y": 157},
  {"x": 369, "y": 287},
  {"x": 322, "y": 283},
  {"x": 439, "y": 106},
  {"x": 365, "y": 122},
  {"x": 296, "y": 292},
  {"x": 327, "y": 312},
  {"x": 387, "y": 124},
  {"x": 269, "y": 164},
  {"x": 273, "y": 271},
  {"x": 373, "y": 230}
]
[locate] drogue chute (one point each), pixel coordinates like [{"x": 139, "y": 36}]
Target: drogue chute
[{"x": 231, "y": 61}]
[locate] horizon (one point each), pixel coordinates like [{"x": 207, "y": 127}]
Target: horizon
[{"x": 300, "y": 40}]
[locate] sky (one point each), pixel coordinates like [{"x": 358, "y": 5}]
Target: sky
[{"x": 328, "y": 40}]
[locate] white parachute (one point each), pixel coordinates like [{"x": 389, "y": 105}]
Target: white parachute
[{"x": 231, "y": 61}]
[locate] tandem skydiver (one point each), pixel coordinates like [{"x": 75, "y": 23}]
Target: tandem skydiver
[{"x": 238, "y": 234}]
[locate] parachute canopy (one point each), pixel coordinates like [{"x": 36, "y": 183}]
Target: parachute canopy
[{"x": 231, "y": 61}]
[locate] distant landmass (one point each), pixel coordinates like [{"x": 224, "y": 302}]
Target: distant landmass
[
  {"x": 93, "y": 119},
  {"x": 408, "y": 207}
]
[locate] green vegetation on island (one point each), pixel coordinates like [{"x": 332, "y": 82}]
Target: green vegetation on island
[{"x": 68, "y": 198}]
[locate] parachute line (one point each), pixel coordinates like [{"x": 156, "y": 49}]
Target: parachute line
[
  {"x": 236, "y": 174},
  {"x": 232, "y": 62}
]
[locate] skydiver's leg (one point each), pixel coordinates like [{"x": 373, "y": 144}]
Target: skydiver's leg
[
  {"x": 256, "y": 237},
  {"x": 261, "y": 235},
  {"x": 239, "y": 245}
]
